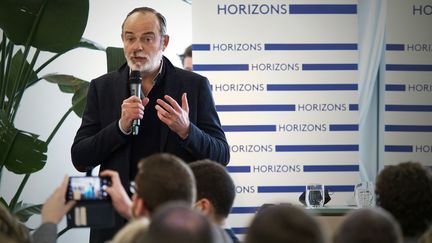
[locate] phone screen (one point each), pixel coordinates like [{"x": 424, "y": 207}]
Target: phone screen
[{"x": 82, "y": 188}]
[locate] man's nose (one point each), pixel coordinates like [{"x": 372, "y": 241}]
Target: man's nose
[{"x": 137, "y": 45}]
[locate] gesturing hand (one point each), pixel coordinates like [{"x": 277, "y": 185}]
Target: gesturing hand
[{"x": 174, "y": 116}]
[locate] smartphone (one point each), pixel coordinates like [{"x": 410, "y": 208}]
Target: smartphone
[{"x": 88, "y": 188}]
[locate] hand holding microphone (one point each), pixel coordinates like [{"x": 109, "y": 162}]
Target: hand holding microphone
[
  {"x": 133, "y": 107},
  {"x": 135, "y": 89}
]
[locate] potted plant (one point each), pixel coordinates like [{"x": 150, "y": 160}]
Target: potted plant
[{"x": 29, "y": 28}]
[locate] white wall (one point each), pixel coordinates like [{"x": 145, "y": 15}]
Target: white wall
[{"x": 44, "y": 104}]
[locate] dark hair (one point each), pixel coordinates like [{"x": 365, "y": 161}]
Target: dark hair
[
  {"x": 187, "y": 53},
  {"x": 373, "y": 225},
  {"x": 162, "y": 178},
  {"x": 160, "y": 17},
  {"x": 405, "y": 190},
  {"x": 215, "y": 184},
  {"x": 175, "y": 222},
  {"x": 284, "y": 223}
]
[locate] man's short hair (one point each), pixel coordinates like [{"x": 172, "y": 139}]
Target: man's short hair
[
  {"x": 175, "y": 222},
  {"x": 215, "y": 184},
  {"x": 164, "y": 177},
  {"x": 372, "y": 225},
  {"x": 405, "y": 190},
  {"x": 160, "y": 17},
  {"x": 284, "y": 223}
]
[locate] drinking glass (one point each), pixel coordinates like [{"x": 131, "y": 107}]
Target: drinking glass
[
  {"x": 364, "y": 194},
  {"x": 314, "y": 195}
]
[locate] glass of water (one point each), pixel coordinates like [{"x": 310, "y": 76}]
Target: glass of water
[
  {"x": 314, "y": 195},
  {"x": 364, "y": 194}
]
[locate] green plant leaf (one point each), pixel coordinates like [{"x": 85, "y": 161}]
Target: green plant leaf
[
  {"x": 62, "y": 22},
  {"x": 22, "y": 152},
  {"x": 79, "y": 99},
  {"x": 71, "y": 84},
  {"x": 23, "y": 211},
  {"x": 7, "y": 136},
  {"x": 17, "y": 60},
  {"x": 4, "y": 203},
  {"x": 89, "y": 44},
  {"x": 115, "y": 58},
  {"x": 66, "y": 83}
]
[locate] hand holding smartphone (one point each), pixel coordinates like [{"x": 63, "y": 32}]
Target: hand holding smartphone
[{"x": 87, "y": 188}]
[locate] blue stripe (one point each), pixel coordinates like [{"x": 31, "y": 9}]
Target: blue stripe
[
  {"x": 220, "y": 67},
  {"x": 340, "y": 188},
  {"x": 325, "y": 46},
  {"x": 227, "y": 108},
  {"x": 333, "y": 67},
  {"x": 329, "y": 168},
  {"x": 249, "y": 128},
  {"x": 407, "y": 128},
  {"x": 239, "y": 230},
  {"x": 395, "y": 87},
  {"x": 408, "y": 67},
  {"x": 241, "y": 210},
  {"x": 395, "y": 47},
  {"x": 290, "y": 189},
  {"x": 353, "y": 107},
  {"x": 270, "y": 189},
  {"x": 323, "y": 9},
  {"x": 398, "y": 148},
  {"x": 310, "y": 87},
  {"x": 317, "y": 148},
  {"x": 415, "y": 108},
  {"x": 344, "y": 127},
  {"x": 201, "y": 47},
  {"x": 238, "y": 169}
]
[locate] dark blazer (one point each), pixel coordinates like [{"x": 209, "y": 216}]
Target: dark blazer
[{"x": 99, "y": 140}]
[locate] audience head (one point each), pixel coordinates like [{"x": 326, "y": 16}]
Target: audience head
[
  {"x": 427, "y": 236},
  {"x": 405, "y": 190},
  {"x": 134, "y": 232},
  {"x": 176, "y": 222},
  {"x": 11, "y": 230},
  {"x": 162, "y": 178},
  {"x": 284, "y": 223},
  {"x": 186, "y": 58},
  {"x": 372, "y": 225},
  {"x": 215, "y": 189}
]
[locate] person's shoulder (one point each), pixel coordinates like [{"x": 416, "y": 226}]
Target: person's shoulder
[{"x": 112, "y": 76}]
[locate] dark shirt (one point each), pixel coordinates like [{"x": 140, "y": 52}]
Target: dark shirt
[{"x": 148, "y": 139}]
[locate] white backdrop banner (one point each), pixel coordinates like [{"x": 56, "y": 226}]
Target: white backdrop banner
[
  {"x": 285, "y": 81},
  {"x": 407, "y": 101}
]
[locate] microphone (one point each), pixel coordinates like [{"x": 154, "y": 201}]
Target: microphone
[{"x": 135, "y": 89}]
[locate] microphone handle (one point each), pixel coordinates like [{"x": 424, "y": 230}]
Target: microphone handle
[{"x": 136, "y": 90}]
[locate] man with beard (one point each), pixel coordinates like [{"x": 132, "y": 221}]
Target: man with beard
[{"x": 177, "y": 114}]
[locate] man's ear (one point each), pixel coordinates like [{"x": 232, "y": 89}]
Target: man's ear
[
  {"x": 139, "y": 209},
  {"x": 165, "y": 42},
  {"x": 205, "y": 206}
]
